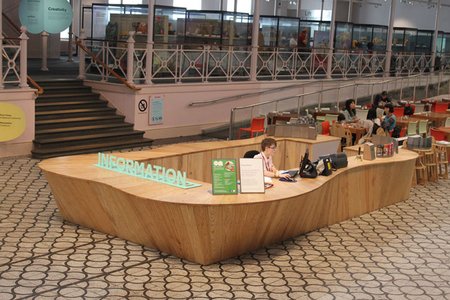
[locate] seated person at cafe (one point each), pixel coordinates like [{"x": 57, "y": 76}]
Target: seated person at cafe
[
  {"x": 350, "y": 111},
  {"x": 389, "y": 120},
  {"x": 268, "y": 148},
  {"x": 381, "y": 99}
]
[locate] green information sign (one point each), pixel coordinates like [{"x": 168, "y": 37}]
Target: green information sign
[{"x": 224, "y": 179}]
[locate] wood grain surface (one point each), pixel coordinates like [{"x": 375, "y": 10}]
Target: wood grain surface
[{"x": 205, "y": 228}]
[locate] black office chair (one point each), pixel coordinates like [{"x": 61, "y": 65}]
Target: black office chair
[{"x": 251, "y": 154}]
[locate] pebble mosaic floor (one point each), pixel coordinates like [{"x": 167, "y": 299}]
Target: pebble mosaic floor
[{"x": 399, "y": 252}]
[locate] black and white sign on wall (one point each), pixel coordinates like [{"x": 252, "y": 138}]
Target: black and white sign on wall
[{"x": 142, "y": 106}]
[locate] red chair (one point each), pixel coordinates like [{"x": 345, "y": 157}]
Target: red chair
[
  {"x": 257, "y": 125},
  {"x": 399, "y": 112},
  {"x": 403, "y": 132},
  {"x": 439, "y": 107},
  {"x": 437, "y": 134},
  {"x": 326, "y": 128}
]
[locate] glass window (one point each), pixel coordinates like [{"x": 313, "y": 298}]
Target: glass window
[
  {"x": 235, "y": 28},
  {"x": 379, "y": 38},
  {"x": 362, "y": 34},
  {"x": 343, "y": 39},
  {"x": 410, "y": 40},
  {"x": 288, "y": 32},
  {"x": 423, "y": 41},
  {"x": 243, "y": 6},
  {"x": 269, "y": 29}
]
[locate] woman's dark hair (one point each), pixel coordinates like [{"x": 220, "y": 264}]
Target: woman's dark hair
[
  {"x": 267, "y": 142},
  {"x": 390, "y": 106},
  {"x": 348, "y": 108}
]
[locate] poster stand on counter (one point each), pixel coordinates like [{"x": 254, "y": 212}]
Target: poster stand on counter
[
  {"x": 224, "y": 178},
  {"x": 251, "y": 175}
]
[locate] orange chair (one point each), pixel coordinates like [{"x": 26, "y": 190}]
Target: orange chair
[
  {"x": 257, "y": 125},
  {"x": 439, "y": 106},
  {"x": 399, "y": 112},
  {"x": 403, "y": 132},
  {"x": 437, "y": 134},
  {"x": 326, "y": 128}
]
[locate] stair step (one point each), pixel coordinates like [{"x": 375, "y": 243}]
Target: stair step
[
  {"x": 69, "y": 131},
  {"x": 49, "y": 90},
  {"x": 81, "y": 104},
  {"x": 88, "y": 138},
  {"x": 69, "y": 113},
  {"x": 78, "y": 121},
  {"x": 67, "y": 97},
  {"x": 91, "y": 148},
  {"x": 71, "y": 82}
]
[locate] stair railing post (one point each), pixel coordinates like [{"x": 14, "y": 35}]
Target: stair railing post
[
  {"x": 130, "y": 57},
  {"x": 82, "y": 64},
  {"x": 23, "y": 58},
  {"x": 1, "y": 57},
  {"x": 44, "y": 43}
]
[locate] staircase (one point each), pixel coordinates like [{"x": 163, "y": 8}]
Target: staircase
[{"x": 71, "y": 119}]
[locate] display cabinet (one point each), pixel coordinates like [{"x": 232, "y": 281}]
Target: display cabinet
[
  {"x": 424, "y": 41},
  {"x": 169, "y": 24},
  {"x": 343, "y": 36},
  {"x": 268, "y": 31},
  {"x": 288, "y": 32},
  {"x": 235, "y": 29},
  {"x": 203, "y": 27},
  {"x": 379, "y": 37},
  {"x": 315, "y": 33},
  {"x": 404, "y": 40}
]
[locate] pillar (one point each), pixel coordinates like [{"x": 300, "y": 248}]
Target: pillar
[
  {"x": 255, "y": 35},
  {"x": 149, "y": 58},
  {"x": 387, "y": 67}
]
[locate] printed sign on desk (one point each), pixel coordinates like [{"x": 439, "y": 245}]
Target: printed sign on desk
[
  {"x": 224, "y": 179},
  {"x": 252, "y": 175},
  {"x": 156, "y": 110}
]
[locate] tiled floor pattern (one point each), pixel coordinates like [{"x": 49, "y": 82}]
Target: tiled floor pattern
[{"x": 399, "y": 252}]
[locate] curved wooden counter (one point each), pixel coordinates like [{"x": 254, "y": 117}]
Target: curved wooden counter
[{"x": 194, "y": 224}]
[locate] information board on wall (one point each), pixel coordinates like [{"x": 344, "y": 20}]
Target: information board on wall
[
  {"x": 52, "y": 16},
  {"x": 12, "y": 122},
  {"x": 224, "y": 178},
  {"x": 252, "y": 175},
  {"x": 156, "y": 115}
]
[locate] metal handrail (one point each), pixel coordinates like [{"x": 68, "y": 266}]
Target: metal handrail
[
  {"x": 297, "y": 85},
  {"x": 299, "y": 96},
  {"x": 111, "y": 71}
]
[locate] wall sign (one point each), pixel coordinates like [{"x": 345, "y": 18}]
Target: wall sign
[
  {"x": 224, "y": 179},
  {"x": 142, "y": 106},
  {"x": 12, "y": 122},
  {"x": 156, "y": 115},
  {"x": 52, "y": 16}
]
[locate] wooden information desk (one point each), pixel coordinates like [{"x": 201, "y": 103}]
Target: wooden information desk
[{"x": 194, "y": 224}]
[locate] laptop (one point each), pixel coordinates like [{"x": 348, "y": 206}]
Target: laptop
[{"x": 292, "y": 173}]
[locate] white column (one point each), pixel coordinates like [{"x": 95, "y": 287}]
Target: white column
[
  {"x": 299, "y": 8},
  {"x": 255, "y": 34},
  {"x": 44, "y": 39},
  {"x": 130, "y": 57},
  {"x": 387, "y": 67},
  {"x": 349, "y": 13},
  {"x": 435, "y": 36},
  {"x": 1, "y": 44},
  {"x": 331, "y": 48},
  {"x": 69, "y": 44},
  {"x": 23, "y": 58},
  {"x": 149, "y": 58},
  {"x": 82, "y": 55}
]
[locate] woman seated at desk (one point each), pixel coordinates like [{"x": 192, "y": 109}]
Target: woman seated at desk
[
  {"x": 350, "y": 111},
  {"x": 268, "y": 147}
]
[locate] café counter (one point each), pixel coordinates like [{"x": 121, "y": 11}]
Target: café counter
[{"x": 205, "y": 228}]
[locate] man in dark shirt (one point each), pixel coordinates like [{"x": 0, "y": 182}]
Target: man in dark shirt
[{"x": 381, "y": 99}]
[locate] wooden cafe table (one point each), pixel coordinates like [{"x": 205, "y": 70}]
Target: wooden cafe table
[{"x": 438, "y": 119}]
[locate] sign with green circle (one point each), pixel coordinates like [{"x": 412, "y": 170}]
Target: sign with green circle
[{"x": 52, "y": 16}]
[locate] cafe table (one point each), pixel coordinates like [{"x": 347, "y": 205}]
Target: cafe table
[{"x": 438, "y": 119}]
